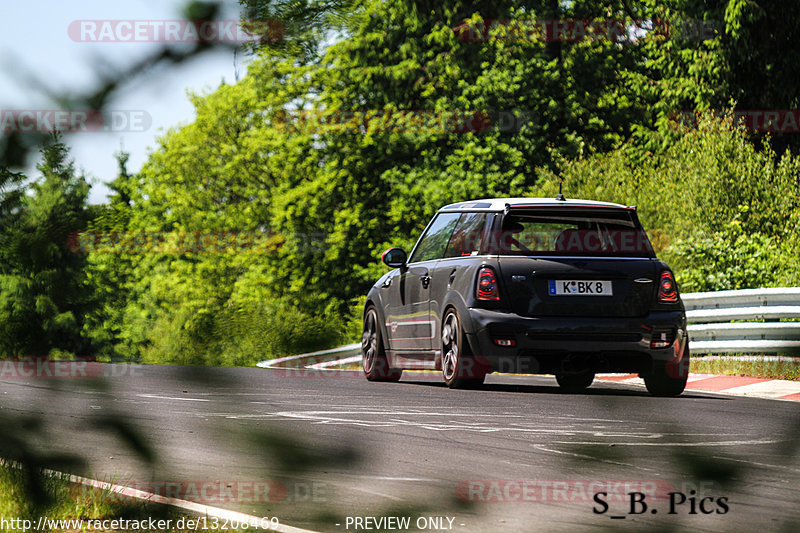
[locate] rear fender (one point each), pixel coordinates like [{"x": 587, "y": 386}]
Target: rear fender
[{"x": 454, "y": 300}]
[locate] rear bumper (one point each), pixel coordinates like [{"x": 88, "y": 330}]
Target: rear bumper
[{"x": 547, "y": 345}]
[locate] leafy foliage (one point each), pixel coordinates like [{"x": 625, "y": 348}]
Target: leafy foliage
[
  {"x": 44, "y": 290},
  {"x": 724, "y": 213}
]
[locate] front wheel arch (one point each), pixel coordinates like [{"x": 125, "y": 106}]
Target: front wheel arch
[
  {"x": 377, "y": 305},
  {"x": 374, "y": 362}
]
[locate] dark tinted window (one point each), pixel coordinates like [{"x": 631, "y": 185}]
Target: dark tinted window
[
  {"x": 468, "y": 235},
  {"x": 558, "y": 231},
  {"x": 434, "y": 242}
]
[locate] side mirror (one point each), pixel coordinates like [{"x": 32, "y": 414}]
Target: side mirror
[{"x": 394, "y": 257}]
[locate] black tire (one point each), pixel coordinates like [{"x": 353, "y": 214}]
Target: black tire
[
  {"x": 459, "y": 368},
  {"x": 575, "y": 381},
  {"x": 373, "y": 355},
  {"x": 668, "y": 379}
]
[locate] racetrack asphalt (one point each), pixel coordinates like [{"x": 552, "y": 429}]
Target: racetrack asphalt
[{"x": 516, "y": 455}]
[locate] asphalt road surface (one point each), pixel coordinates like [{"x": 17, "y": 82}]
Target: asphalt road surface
[{"x": 517, "y": 455}]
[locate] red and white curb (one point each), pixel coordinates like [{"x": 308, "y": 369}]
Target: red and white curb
[
  {"x": 772, "y": 389},
  {"x": 320, "y": 359}
]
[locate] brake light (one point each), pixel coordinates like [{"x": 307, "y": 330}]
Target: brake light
[
  {"x": 667, "y": 291},
  {"x": 487, "y": 284}
]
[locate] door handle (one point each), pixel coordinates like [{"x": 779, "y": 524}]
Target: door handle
[
  {"x": 426, "y": 280},
  {"x": 386, "y": 284},
  {"x": 452, "y": 277}
]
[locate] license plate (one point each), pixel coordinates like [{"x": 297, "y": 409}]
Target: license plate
[{"x": 582, "y": 287}]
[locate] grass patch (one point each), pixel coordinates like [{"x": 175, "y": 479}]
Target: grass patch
[
  {"x": 25, "y": 497},
  {"x": 756, "y": 368}
]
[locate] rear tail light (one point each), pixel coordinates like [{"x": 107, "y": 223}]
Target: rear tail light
[
  {"x": 487, "y": 285},
  {"x": 667, "y": 291}
]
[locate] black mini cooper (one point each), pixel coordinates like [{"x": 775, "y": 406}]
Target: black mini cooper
[{"x": 528, "y": 285}]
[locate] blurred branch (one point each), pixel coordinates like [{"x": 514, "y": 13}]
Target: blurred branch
[{"x": 15, "y": 145}]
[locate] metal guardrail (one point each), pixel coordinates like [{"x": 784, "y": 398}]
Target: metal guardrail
[{"x": 711, "y": 331}]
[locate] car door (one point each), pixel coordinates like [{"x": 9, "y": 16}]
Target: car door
[
  {"x": 458, "y": 265},
  {"x": 409, "y": 324}
]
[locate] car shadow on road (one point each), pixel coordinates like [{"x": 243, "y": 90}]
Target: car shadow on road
[{"x": 555, "y": 390}]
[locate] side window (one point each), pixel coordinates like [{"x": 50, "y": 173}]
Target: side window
[
  {"x": 468, "y": 235},
  {"x": 433, "y": 243}
]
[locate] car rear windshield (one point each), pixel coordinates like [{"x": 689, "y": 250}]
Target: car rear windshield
[{"x": 605, "y": 232}]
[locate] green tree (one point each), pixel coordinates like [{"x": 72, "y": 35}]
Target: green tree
[
  {"x": 44, "y": 292},
  {"x": 285, "y": 156},
  {"x": 297, "y": 29},
  {"x": 111, "y": 274},
  {"x": 722, "y": 211},
  {"x": 378, "y": 186},
  {"x": 11, "y": 195},
  {"x": 217, "y": 303}
]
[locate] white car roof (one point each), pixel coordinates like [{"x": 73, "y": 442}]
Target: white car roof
[{"x": 499, "y": 204}]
